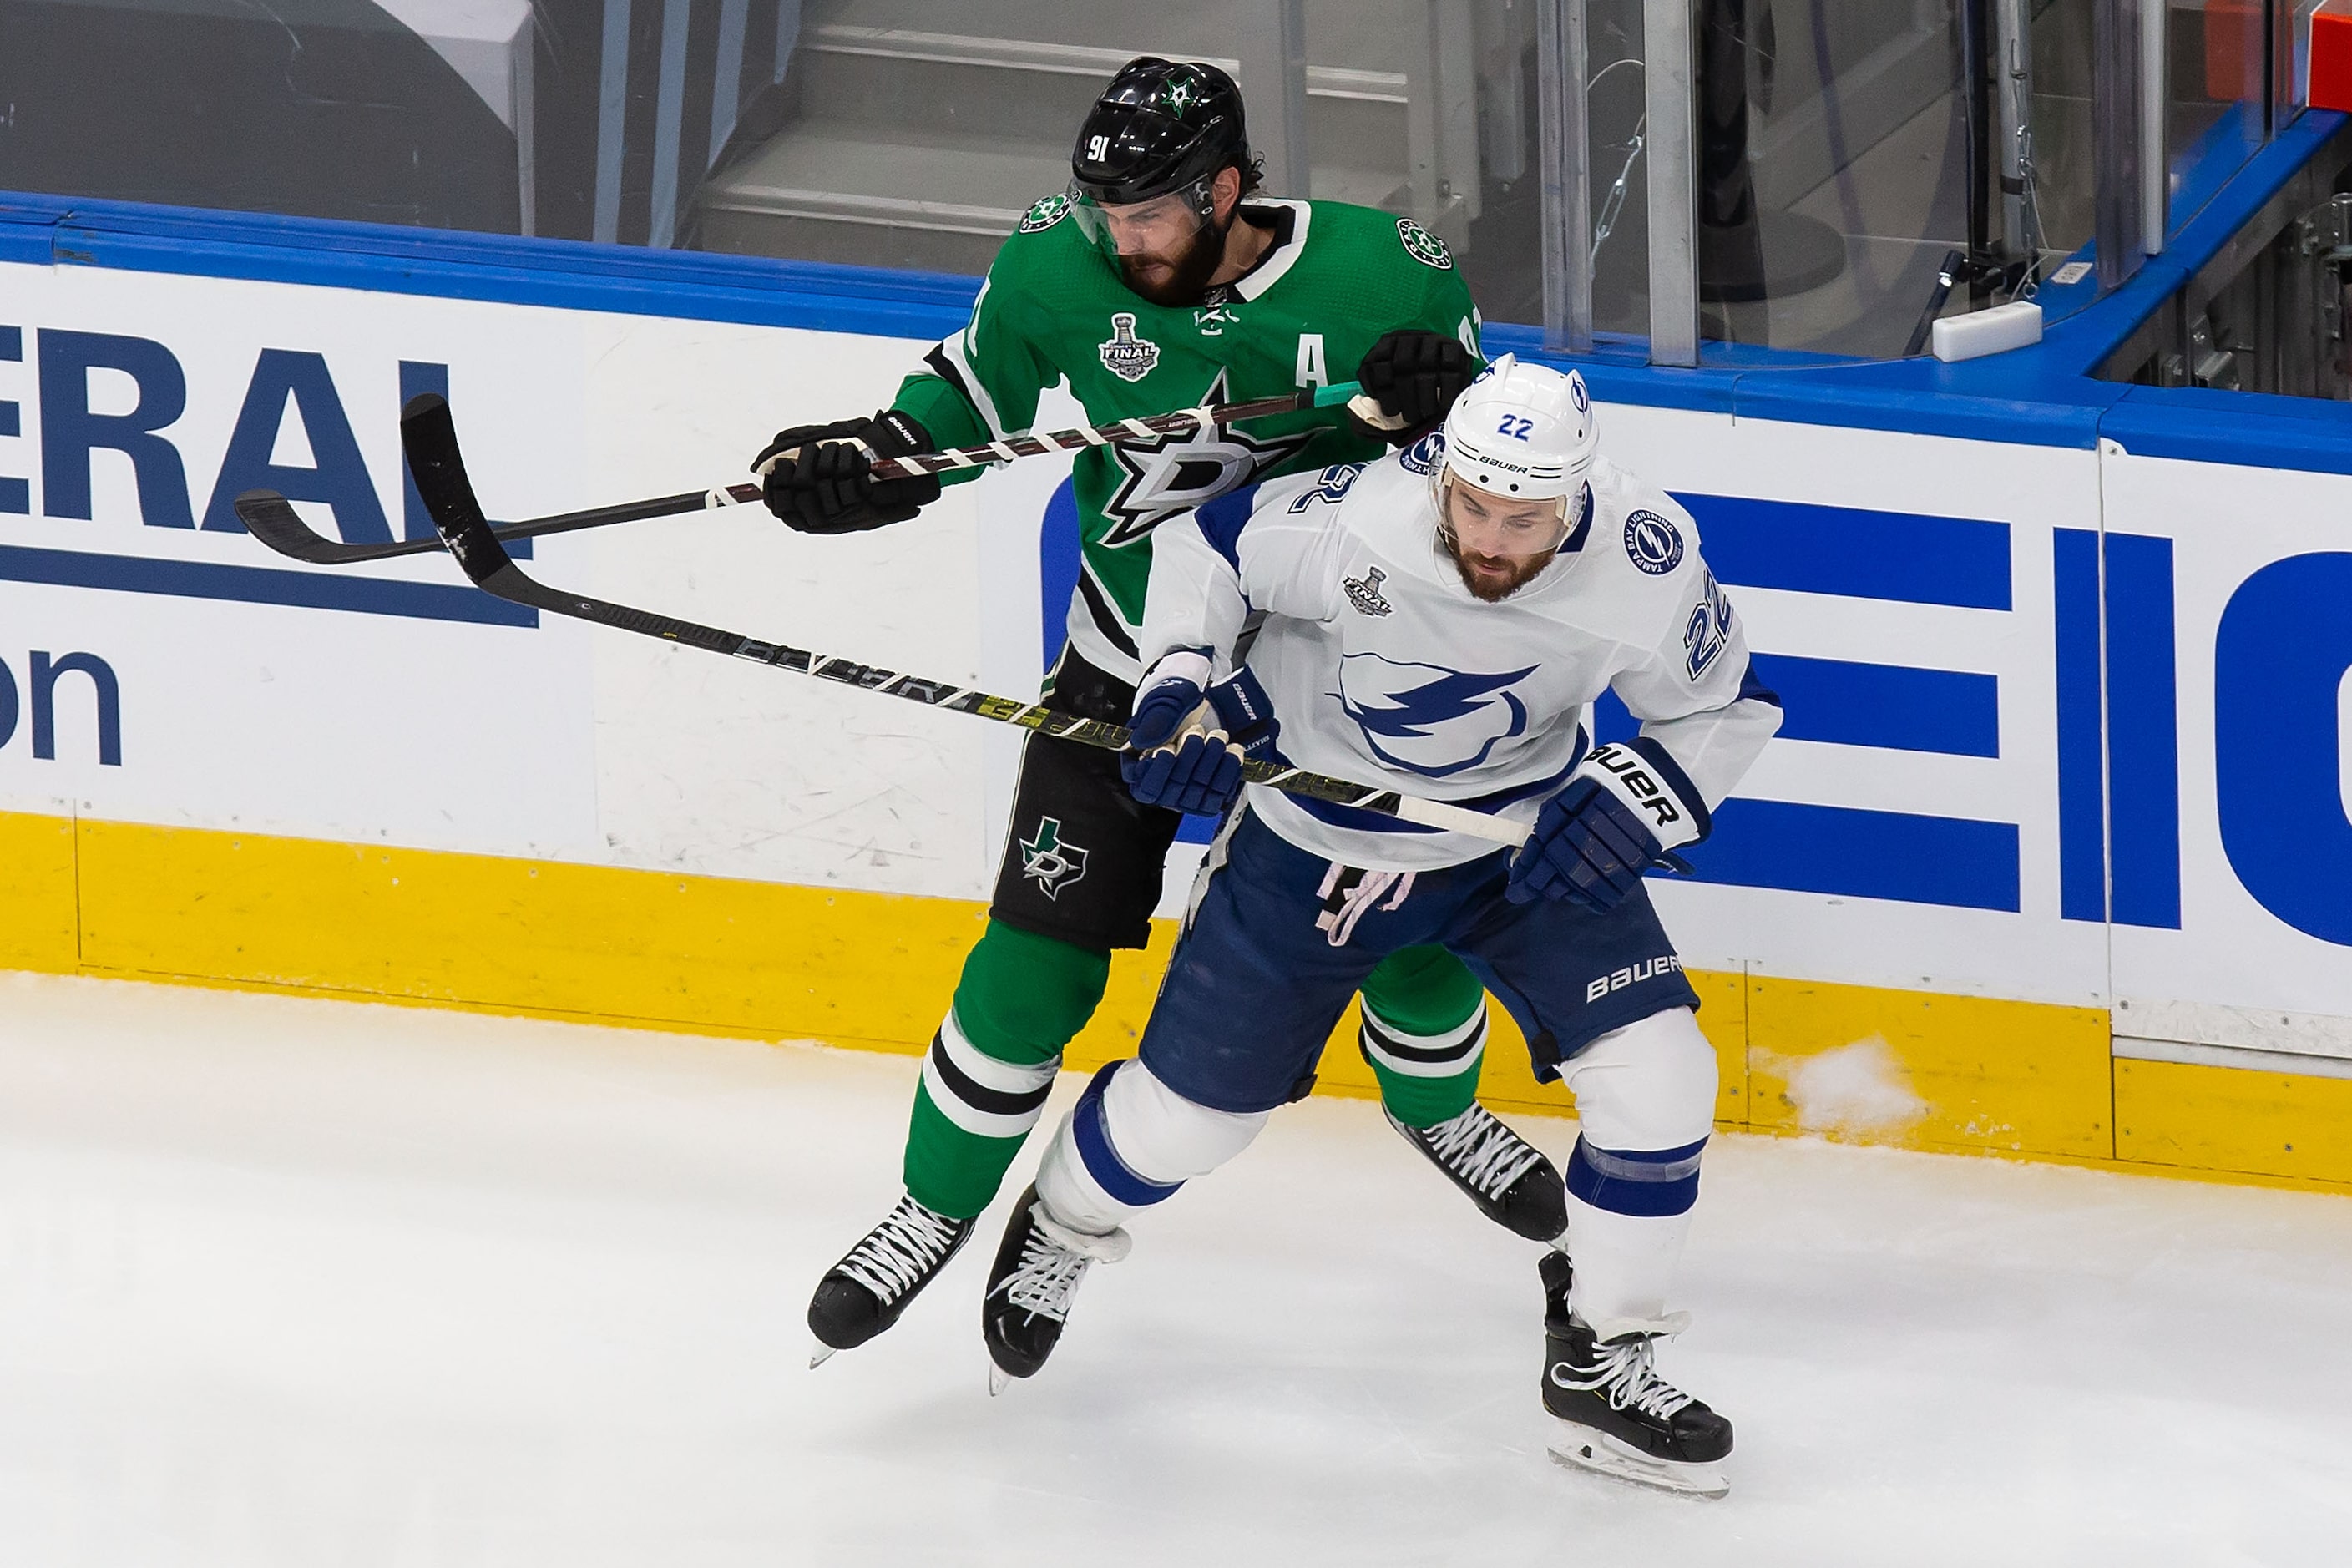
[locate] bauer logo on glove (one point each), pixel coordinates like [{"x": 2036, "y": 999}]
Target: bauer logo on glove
[{"x": 1624, "y": 807}]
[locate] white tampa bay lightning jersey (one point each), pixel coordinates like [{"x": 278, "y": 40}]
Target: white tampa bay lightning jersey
[{"x": 1385, "y": 670}]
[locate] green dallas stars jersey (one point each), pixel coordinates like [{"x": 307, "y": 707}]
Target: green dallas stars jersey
[{"x": 1337, "y": 278}]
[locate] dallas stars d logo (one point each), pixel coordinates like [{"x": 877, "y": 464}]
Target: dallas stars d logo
[
  {"x": 1050, "y": 862},
  {"x": 1169, "y": 474},
  {"x": 1180, "y": 96}
]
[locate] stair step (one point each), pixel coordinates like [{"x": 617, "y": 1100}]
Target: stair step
[
  {"x": 1366, "y": 35},
  {"x": 830, "y": 191},
  {"x": 902, "y": 81},
  {"x": 1067, "y": 59}
]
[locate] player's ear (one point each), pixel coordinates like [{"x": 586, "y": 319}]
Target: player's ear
[{"x": 1225, "y": 193}]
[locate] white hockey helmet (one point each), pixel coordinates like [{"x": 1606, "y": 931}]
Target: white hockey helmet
[{"x": 1525, "y": 431}]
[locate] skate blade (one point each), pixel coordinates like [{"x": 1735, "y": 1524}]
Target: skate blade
[
  {"x": 822, "y": 1353},
  {"x": 998, "y": 1380},
  {"x": 1581, "y": 1448}
]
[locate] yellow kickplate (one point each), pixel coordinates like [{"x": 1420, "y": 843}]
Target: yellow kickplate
[
  {"x": 2234, "y": 1118},
  {"x": 771, "y": 959},
  {"x": 794, "y": 962},
  {"x": 1927, "y": 1071},
  {"x": 37, "y": 892}
]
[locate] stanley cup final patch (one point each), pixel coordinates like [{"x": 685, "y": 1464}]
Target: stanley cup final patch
[
  {"x": 1123, "y": 354},
  {"x": 1364, "y": 593},
  {"x": 1051, "y": 861}
]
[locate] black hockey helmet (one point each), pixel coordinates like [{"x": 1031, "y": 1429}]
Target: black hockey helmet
[{"x": 1161, "y": 127}]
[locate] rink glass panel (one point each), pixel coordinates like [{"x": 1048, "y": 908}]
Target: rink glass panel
[{"x": 1831, "y": 149}]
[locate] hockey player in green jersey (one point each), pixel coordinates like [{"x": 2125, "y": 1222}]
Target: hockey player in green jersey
[{"x": 1157, "y": 282}]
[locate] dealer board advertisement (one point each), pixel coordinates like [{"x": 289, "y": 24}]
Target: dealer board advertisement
[{"x": 2052, "y": 734}]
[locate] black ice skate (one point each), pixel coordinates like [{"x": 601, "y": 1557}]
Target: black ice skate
[
  {"x": 1618, "y": 1416},
  {"x": 1038, "y": 1266},
  {"x": 864, "y": 1292},
  {"x": 1508, "y": 1177}
]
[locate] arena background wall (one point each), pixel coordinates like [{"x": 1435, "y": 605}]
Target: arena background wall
[{"x": 2054, "y": 860}]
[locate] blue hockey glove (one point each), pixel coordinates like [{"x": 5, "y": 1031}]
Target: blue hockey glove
[
  {"x": 1620, "y": 812},
  {"x": 1586, "y": 847},
  {"x": 1246, "y": 713},
  {"x": 1202, "y": 775},
  {"x": 1193, "y": 773}
]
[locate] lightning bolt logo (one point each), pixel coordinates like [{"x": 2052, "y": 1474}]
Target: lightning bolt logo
[{"x": 1428, "y": 719}]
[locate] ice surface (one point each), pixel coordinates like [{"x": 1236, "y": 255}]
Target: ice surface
[{"x": 307, "y": 1283}]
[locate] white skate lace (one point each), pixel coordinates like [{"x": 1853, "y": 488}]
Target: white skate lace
[
  {"x": 1480, "y": 1149},
  {"x": 896, "y": 1254},
  {"x": 1624, "y": 1371},
  {"x": 1053, "y": 1261}
]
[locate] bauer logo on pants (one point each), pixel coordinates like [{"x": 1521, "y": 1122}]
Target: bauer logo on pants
[
  {"x": 1631, "y": 975},
  {"x": 1050, "y": 861}
]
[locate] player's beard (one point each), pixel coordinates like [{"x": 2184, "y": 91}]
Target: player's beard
[
  {"x": 1494, "y": 587},
  {"x": 1183, "y": 279}
]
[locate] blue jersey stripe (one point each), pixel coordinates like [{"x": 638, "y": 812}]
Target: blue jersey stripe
[{"x": 1222, "y": 521}]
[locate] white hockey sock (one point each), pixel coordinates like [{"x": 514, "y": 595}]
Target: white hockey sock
[
  {"x": 1131, "y": 1143},
  {"x": 1625, "y": 1266}
]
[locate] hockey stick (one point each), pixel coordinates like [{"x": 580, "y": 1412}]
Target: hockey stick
[
  {"x": 1200, "y": 421},
  {"x": 281, "y": 529},
  {"x": 430, "y": 438}
]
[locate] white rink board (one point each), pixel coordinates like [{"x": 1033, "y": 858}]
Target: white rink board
[
  {"x": 567, "y": 742},
  {"x": 557, "y": 742}
]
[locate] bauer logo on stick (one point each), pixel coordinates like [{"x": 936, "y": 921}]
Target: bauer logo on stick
[
  {"x": 1123, "y": 354},
  {"x": 1049, "y": 861}
]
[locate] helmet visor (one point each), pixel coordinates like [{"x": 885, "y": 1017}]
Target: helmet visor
[{"x": 1163, "y": 227}]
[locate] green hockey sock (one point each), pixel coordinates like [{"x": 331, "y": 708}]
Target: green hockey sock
[
  {"x": 1020, "y": 1000},
  {"x": 1424, "y": 1034}
]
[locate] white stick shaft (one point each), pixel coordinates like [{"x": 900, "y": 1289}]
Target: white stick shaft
[{"x": 1457, "y": 819}]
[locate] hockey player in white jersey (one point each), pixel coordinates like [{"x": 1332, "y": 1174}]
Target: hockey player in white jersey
[{"x": 1439, "y": 621}]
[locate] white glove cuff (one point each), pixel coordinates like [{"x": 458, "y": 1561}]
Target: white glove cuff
[
  {"x": 1184, "y": 664},
  {"x": 1646, "y": 791}
]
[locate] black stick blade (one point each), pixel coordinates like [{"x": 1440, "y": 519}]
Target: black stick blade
[
  {"x": 270, "y": 518},
  {"x": 428, "y": 437}
]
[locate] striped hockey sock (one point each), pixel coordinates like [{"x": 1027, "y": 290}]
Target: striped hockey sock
[{"x": 1426, "y": 1079}]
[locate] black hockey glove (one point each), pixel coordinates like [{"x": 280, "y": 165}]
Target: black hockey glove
[
  {"x": 821, "y": 483},
  {"x": 1414, "y": 376}
]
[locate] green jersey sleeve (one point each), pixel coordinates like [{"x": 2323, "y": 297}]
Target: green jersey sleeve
[
  {"x": 982, "y": 384},
  {"x": 1446, "y": 306}
]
